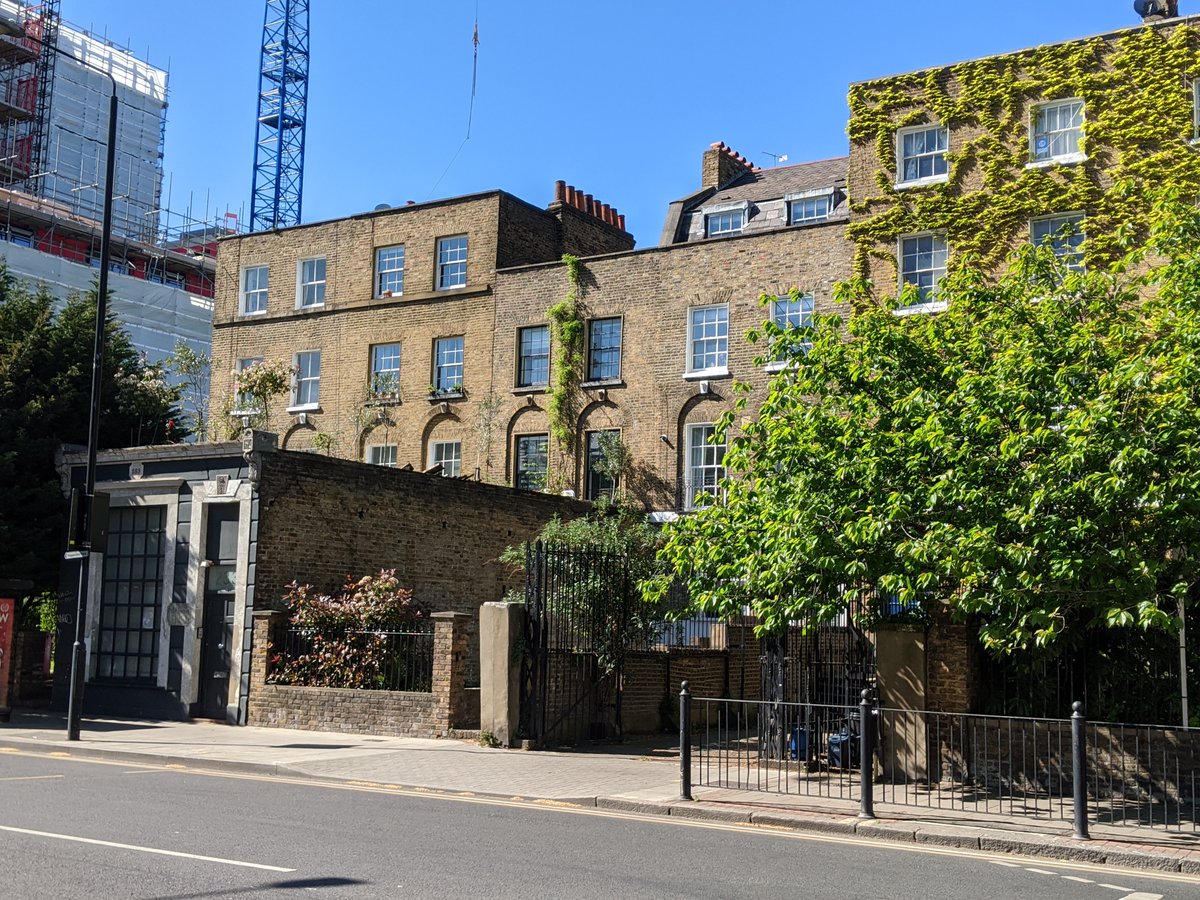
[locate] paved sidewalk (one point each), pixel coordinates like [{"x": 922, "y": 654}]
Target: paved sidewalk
[{"x": 632, "y": 778}]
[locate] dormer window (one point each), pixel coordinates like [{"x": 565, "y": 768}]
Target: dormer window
[
  {"x": 921, "y": 154},
  {"x": 724, "y": 222},
  {"x": 809, "y": 207}
]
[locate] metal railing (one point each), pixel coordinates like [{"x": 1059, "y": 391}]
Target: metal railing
[
  {"x": 365, "y": 660},
  {"x": 1057, "y": 769}
]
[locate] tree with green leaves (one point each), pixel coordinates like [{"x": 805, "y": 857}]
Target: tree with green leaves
[
  {"x": 1029, "y": 457},
  {"x": 45, "y": 396}
]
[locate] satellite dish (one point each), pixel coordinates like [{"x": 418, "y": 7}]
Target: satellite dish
[{"x": 382, "y": 206}]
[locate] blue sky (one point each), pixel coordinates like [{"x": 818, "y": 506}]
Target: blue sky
[{"x": 619, "y": 98}]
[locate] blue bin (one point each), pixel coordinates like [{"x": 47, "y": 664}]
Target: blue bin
[
  {"x": 798, "y": 745},
  {"x": 843, "y": 750}
]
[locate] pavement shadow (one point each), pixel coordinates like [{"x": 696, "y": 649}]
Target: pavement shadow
[{"x": 294, "y": 884}]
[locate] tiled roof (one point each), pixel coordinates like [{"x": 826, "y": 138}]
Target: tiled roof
[{"x": 772, "y": 184}]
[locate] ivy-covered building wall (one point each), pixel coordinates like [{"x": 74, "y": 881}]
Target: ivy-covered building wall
[{"x": 1138, "y": 133}]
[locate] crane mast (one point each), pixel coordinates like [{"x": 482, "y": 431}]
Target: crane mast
[{"x": 282, "y": 105}]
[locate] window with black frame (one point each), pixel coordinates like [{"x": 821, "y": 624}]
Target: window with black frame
[{"x": 131, "y": 595}]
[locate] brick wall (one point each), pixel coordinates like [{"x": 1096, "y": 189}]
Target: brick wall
[
  {"x": 953, "y": 666},
  {"x": 652, "y": 291},
  {"x": 394, "y": 713},
  {"x": 323, "y": 518}
]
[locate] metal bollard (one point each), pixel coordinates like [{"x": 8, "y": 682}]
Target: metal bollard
[
  {"x": 685, "y": 742},
  {"x": 866, "y": 771},
  {"x": 1079, "y": 769}
]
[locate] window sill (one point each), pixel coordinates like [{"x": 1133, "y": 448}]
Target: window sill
[
  {"x": 388, "y": 295},
  {"x": 530, "y": 389},
  {"x": 920, "y": 309},
  {"x": 707, "y": 374},
  {"x": 451, "y": 288},
  {"x": 389, "y": 400},
  {"x": 1067, "y": 159},
  {"x": 306, "y": 408},
  {"x": 249, "y": 315},
  {"x": 244, "y": 413},
  {"x": 312, "y": 307},
  {"x": 602, "y": 384},
  {"x": 921, "y": 182},
  {"x": 439, "y": 396}
]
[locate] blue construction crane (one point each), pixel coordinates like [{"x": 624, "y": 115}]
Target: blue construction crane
[{"x": 282, "y": 104}]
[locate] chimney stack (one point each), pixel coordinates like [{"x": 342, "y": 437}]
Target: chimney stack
[
  {"x": 1153, "y": 11},
  {"x": 721, "y": 165},
  {"x": 568, "y": 195}
]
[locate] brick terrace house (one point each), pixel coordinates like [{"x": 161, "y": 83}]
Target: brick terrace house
[
  {"x": 663, "y": 328},
  {"x": 420, "y": 335},
  {"x": 387, "y": 318}
]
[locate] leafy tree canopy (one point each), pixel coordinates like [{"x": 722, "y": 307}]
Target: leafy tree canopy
[
  {"x": 1030, "y": 456},
  {"x": 45, "y": 395}
]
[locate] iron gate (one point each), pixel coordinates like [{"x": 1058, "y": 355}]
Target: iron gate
[
  {"x": 577, "y": 628},
  {"x": 821, "y": 667}
]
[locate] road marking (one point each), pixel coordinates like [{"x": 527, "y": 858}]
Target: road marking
[
  {"x": 155, "y": 850},
  {"x": 1039, "y": 871},
  {"x": 1142, "y": 896},
  {"x": 1077, "y": 878},
  {"x": 426, "y": 793},
  {"x": 1113, "y": 887},
  {"x": 31, "y": 777}
]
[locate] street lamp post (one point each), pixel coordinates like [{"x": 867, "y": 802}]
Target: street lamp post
[{"x": 12, "y": 26}]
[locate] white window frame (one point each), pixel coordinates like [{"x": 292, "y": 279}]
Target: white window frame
[
  {"x": 448, "y": 260},
  {"x": 448, "y": 387},
  {"x": 721, "y": 361},
  {"x": 437, "y": 454},
  {"x": 381, "y": 455},
  {"x": 797, "y": 200},
  {"x": 901, "y": 159},
  {"x": 300, "y": 381},
  {"x": 698, "y": 445},
  {"x": 1037, "y": 160},
  {"x": 1074, "y": 259},
  {"x": 374, "y": 385},
  {"x": 808, "y": 308},
  {"x": 310, "y": 291},
  {"x": 1196, "y": 109},
  {"x": 394, "y": 273},
  {"x": 258, "y": 291},
  {"x": 718, "y": 214},
  {"x": 930, "y": 305},
  {"x": 524, "y": 381},
  {"x": 242, "y": 406}
]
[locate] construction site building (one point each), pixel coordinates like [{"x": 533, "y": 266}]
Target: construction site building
[{"x": 54, "y": 108}]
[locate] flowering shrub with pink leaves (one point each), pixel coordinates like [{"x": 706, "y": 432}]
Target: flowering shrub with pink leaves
[{"x": 370, "y": 634}]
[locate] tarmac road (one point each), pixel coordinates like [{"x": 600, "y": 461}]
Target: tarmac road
[{"x": 72, "y": 828}]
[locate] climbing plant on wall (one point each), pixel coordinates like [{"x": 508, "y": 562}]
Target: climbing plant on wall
[
  {"x": 566, "y": 339},
  {"x": 1139, "y": 122}
]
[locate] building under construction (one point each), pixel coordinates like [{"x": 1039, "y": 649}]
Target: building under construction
[{"x": 53, "y": 145}]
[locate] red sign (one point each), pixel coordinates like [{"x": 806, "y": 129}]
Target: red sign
[{"x": 8, "y": 615}]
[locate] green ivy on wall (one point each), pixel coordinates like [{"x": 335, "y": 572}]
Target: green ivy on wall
[
  {"x": 566, "y": 339},
  {"x": 1138, "y": 108}
]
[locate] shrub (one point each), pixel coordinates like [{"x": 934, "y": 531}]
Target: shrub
[{"x": 344, "y": 639}]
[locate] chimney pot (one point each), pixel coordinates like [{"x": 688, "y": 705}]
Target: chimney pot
[
  {"x": 560, "y": 191},
  {"x": 588, "y": 203},
  {"x": 621, "y": 221}
]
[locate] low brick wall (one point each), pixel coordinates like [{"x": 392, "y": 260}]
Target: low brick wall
[{"x": 450, "y": 705}]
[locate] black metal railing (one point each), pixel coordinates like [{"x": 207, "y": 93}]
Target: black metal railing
[
  {"x": 1058, "y": 769},
  {"x": 347, "y": 658}
]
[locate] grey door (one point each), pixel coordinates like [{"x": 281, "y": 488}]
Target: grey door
[{"x": 216, "y": 633}]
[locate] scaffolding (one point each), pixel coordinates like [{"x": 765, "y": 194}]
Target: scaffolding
[{"x": 27, "y": 66}]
